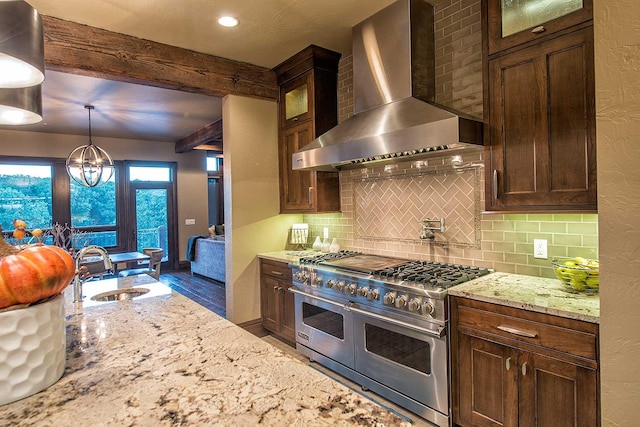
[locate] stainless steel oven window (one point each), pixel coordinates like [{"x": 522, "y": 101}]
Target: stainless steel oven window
[
  {"x": 398, "y": 348},
  {"x": 326, "y": 321}
]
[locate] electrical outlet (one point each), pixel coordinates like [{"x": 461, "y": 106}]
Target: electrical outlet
[{"x": 540, "y": 248}]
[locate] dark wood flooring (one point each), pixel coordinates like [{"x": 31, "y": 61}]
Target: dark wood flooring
[{"x": 206, "y": 292}]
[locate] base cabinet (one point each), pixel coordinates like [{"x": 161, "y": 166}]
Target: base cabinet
[
  {"x": 276, "y": 302},
  {"x": 545, "y": 374}
]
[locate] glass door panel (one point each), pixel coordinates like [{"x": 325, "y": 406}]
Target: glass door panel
[
  {"x": 518, "y": 15},
  {"x": 151, "y": 216}
]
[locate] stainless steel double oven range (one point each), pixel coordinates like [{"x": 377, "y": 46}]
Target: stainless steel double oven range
[{"x": 382, "y": 322}]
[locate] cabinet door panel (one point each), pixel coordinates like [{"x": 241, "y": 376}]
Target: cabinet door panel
[
  {"x": 556, "y": 393},
  {"x": 268, "y": 303},
  {"x": 542, "y": 126},
  {"x": 520, "y": 119},
  {"x": 488, "y": 391},
  {"x": 568, "y": 109},
  {"x": 298, "y": 191},
  {"x": 288, "y": 314}
]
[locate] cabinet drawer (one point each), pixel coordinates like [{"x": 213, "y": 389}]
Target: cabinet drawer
[
  {"x": 276, "y": 269},
  {"x": 555, "y": 337}
]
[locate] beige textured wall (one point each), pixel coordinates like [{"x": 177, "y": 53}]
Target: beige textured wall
[
  {"x": 191, "y": 180},
  {"x": 617, "y": 49},
  {"x": 252, "y": 204}
]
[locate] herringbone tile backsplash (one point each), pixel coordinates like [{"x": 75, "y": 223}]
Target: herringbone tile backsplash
[{"x": 391, "y": 207}]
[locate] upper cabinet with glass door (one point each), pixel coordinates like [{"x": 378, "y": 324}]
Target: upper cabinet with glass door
[
  {"x": 297, "y": 100},
  {"x": 514, "y": 22}
]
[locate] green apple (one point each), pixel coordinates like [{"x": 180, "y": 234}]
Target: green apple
[
  {"x": 578, "y": 285},
  {"x": 593, "y": 282}
]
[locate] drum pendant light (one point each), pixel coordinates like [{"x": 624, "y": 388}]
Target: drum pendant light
[
  {"x": 89, "y": 165},
  {"x": 21, "y": 63},
  {"x": 21, "y": 106},
  {"x": 21, "y": 45}
]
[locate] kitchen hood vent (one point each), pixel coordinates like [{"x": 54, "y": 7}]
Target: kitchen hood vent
[{"x": 394, "y": 83}]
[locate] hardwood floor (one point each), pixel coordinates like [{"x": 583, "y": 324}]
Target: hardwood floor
[{"x": 206, "y": 292}]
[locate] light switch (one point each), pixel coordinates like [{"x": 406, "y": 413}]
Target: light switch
[{"x": 189, "y": 222}]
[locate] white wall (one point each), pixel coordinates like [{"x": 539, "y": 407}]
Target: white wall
[
  {"x": 252, "y": 204},
  {"x": 617, "y": 44},
  {"x": 191, "y": 180}
]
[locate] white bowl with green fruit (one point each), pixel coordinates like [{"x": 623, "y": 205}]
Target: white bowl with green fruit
[{"x": 578, "y": 274}]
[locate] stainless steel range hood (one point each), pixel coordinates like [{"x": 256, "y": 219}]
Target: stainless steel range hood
[{"x": 394, "y": 85}]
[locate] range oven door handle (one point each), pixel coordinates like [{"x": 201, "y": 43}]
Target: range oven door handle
[
  {"x": 304, "y": 294},
  {"x": 439, "y": 333}
]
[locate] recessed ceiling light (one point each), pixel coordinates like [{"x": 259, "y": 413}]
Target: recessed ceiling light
[{"x": 228, "y": 21}]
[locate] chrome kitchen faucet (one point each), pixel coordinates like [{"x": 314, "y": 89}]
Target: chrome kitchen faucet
[{"x": 77, "y": 281}]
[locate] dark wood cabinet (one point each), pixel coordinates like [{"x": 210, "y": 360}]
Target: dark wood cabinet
[
  {"x": 515, "y": 367},
  {"x": 308, "y": 107},
  {"x": 540, "y": 110},
  {"x": 276, "y": 302},
  {"x": 514, "y": 23}
]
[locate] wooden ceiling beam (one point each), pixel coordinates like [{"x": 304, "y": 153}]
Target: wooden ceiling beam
[
  {"x": 209, "y": 138},
  {"x": 80, "y": 49}
]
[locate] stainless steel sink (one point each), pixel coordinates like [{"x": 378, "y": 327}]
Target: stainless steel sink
[{"x": 120, "y": 294}]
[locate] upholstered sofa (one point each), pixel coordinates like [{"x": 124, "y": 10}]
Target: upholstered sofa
[{"x": 208, "y": 259}]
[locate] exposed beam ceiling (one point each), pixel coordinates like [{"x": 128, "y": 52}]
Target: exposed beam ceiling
[{"x": 174, "y": 48}]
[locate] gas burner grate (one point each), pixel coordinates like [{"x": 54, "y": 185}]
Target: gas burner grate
[
  {"x": 432, "y": 273},
  {"x": 321, "y": 258}
]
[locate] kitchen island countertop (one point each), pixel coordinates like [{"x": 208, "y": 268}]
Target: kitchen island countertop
[
  {"x": 531, "y": 293},
  {"x": 165, "y": 360}
]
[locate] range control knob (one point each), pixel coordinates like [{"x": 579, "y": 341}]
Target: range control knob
[
  {"x": 389, "y": 298},
  {"x": 339, "y": 286},
  {"x": 373, "y": 294},
  {"x": 363, "y": 291},
  {"x": 351, "y": 288},
  {"x": 330, "y": 283},
  {"x": 317, "y": 281},
  {"x": 301, "y": 276},
  {"x": 428, "y": 308},
  {"x": 401, "y": 301},
  {"x": 414, "y": 304}
]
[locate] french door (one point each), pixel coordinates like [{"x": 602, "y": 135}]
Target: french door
[{"x": 151, "y": 219}]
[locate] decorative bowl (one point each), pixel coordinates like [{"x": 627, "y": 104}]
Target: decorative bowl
[
  {"x": 32, "y": 348},
  {"x": 578, "y": 274}
]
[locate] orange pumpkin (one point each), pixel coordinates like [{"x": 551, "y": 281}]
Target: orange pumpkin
[{"x": 34, "y": 273}]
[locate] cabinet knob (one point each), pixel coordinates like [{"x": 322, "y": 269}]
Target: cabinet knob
[
  {"x": 508, "y": 363},
  {"x": 524, "y": 369},
  {"x": 539, "y": 29},
  {"x": 495, "y": 183}
]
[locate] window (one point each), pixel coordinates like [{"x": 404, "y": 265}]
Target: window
[
  {"x": 26, "y": 193},
  {"x": 150, "y": 173},
  {"x": 214, "y": 164},
  {"x": 93, "y": 210}
]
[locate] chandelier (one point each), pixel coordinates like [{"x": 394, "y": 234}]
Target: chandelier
[{"x": 89, "y": 165}]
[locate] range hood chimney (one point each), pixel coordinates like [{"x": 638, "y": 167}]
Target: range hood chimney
[{"x": 394, "y": 83}]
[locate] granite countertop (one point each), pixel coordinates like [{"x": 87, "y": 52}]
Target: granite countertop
[
  {"x": 165, "y": 360},
  {"x": 531, "y": 293},
  {"x": 287, "y": 256}
]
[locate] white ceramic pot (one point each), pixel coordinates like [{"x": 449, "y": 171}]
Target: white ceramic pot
[{"x": 32, "y": 349}]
